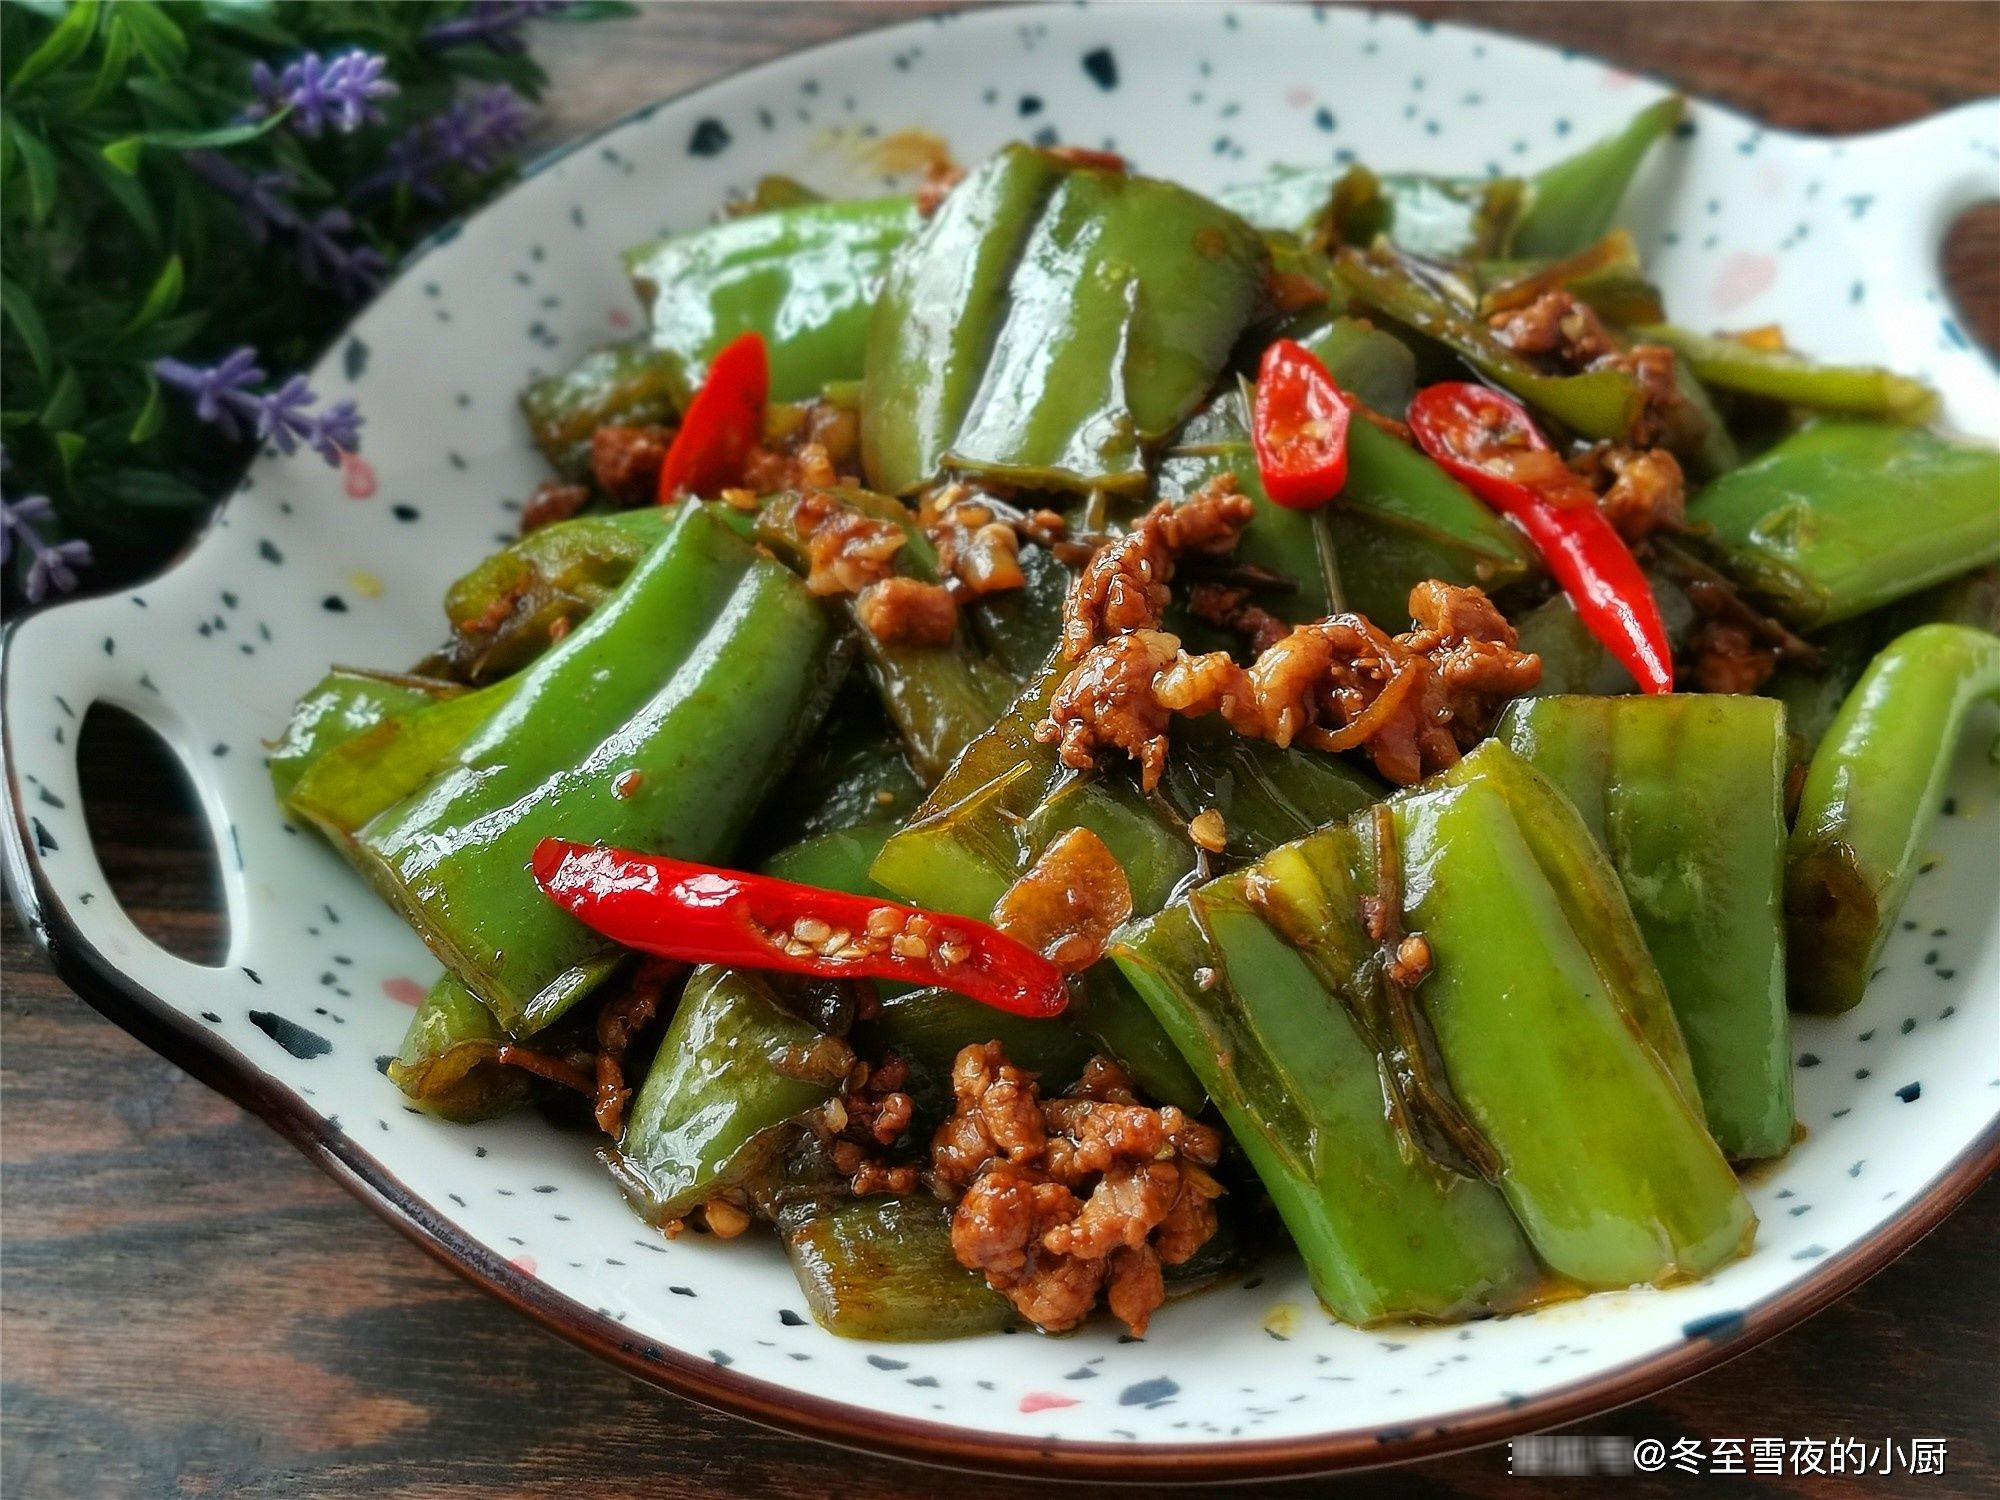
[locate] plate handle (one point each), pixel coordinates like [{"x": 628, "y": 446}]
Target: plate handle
[
  {"x": 56, "y": 664},
  {"x": 1919, "y": 178}
]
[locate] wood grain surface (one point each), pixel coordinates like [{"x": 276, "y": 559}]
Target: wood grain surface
[{"x": 187, "y": 1308}]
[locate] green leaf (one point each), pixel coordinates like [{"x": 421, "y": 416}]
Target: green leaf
[
  {"x": 111, "y": 67},
  {"x": 163, "y": 298},
  {"x": 40, "y": 165},
  {"x": 65, "y": 403},
  {"x": 167, "y": 335},
  {"x": 61, "y": 46},
  {"x": 152, "y": 416},
  {"x": 153, "y": 32},
  {"x": 153, "y": 490},
  {"x": 20, "y": 310},
  {"x": 124, "y": 190},
  {"x": 167, "y": 96},
  {"x": 251, "y": 18},
  {"x": 125, "y": 154},
  {"x": 70, "y": 448}
]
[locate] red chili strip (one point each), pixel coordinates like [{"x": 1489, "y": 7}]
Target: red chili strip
[
  {"x": 1484, "y": 439},
  {"x": 723, "y": 425},
  {"x": 701, "y": 914},
  {"x": 1298, "y": 427}
]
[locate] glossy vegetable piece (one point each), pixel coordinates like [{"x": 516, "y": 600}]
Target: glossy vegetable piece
[
  {"x": 1126, "y": 301},
  {"x": 723, "y": 423},
  {"x": 344, "y": 703},
  {"x": 1447, "y": 218},
  {"x": 449, "y": 1061},
  {"x": 804, "y": 277},
  {"x": 661, "y": 722},
  {"x": 851, "y": 773},
  {"x": 1476, "y": 434},
  {"x": 1606, "y": 275},
  {"x": 697, "y": 913},
  {"x": 1298, "y": 428},
  {"x": 1845, "y": 515},
  {"x": 1008, "y": 797},
  {"x": 628, "y": 384},
  {"x": 883, "y": 1268},
  {"x": 1813, "y": 695},
  {"x": 1780, "y": 375},
  {"x": 1384, "y": 1233},
  {"x": 941, "y": 305},
  {"x": 1871, "y": 795},
  {"x": 1601, "y": 404},
  {"x": 515, "y": 603},
  {"x": 737, "y": 1067},
  {"x": 938, "y": 697},
  {"x": 1064, "y": 357},
  {"x": 1685, "y": 794},
  {"x": 1001, "y": 803},
  {"x": 369, "y": 772},
  {"x": 1547, "y": 1013},
  {"x": 1572, "y": 203},
  {"x": 1020, "y": 627},
  {"x": 1400, "y": 519}
]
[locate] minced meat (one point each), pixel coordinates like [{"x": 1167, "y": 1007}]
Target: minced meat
[
  {"x": 1565, "y": 334},
  {"x": 1061, "y": 1200},
  {"x": 1415, "y": 701},
  {"x": 1108, "y": 700},
  {"x": 908, "y": 612},
  {"x": 625, "y": 461},
  {"x": 1124, "y": 585}
]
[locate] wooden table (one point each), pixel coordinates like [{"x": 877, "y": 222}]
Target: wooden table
[{"x": 188, "y": 1309}]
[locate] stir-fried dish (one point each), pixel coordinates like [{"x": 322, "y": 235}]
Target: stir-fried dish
[{"x": 1051, "y": 732}]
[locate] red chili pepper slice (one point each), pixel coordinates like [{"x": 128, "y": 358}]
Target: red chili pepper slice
[
  {"x": 701, "y": 914},
  {"x": 1482, "y": 438},
  {"x": 724, "y": 422},
  {"x": 1298, "y": 427}
]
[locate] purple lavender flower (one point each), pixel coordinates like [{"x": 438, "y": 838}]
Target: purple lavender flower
[
  {"x": 351, "y": 270},
  {"x": 256, "y": 194},
  {"x": 320, "y": 94},
  {"x": 323, "y": 259},
  {"x": 51, "y": 564},
  {"x": 493, "y": 23},
  {"x": 221, "y": 395},
  {"x": 473, "y": 136}
]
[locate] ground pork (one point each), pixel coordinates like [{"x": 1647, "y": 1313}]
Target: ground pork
[
  {"x": 551, "y": 502},
  {"x": 871, "y": 1115},
  {"x": 625, "y": 461},
  {"x": 907, "y": 612},
  {"x": 1729, "y": 658},
  {"x": 1107, "y": 700},
  {"x": 623, "y": 1017},
  {"x": 1640, "y": 490},
  {"x": 1415, "y": 701},
  {"x": 1059, "y": 1201},
  {"x": 1560, "y": 332},
  {"x": 1230, "y": 608},
  {"x": 1124, "y": 585}
]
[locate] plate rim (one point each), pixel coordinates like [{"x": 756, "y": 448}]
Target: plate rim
[{"x": 147, "y": 1017}]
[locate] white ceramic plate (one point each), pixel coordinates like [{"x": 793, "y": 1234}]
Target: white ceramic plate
[{"x": 1837, "y": 240}]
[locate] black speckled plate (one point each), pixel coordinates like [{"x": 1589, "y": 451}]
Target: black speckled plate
[{"x": 1836, "y": 240}]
